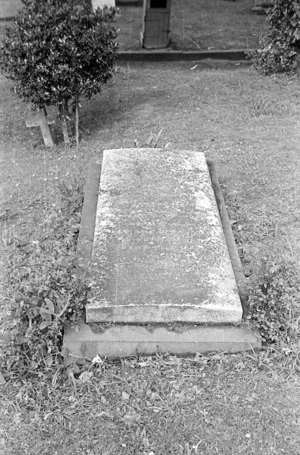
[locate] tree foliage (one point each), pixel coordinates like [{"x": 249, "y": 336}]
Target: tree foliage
[
  {"x": 59, "y": 50},
  {"x": 280, "y": 47}
]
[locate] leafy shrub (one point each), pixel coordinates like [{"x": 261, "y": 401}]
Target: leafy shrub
[
  {"x": 49, "y": 290},
  {"x": 278, "y": 49},
  {"x": 274, "y": 302},
  {"x": 58, "y": 51}
]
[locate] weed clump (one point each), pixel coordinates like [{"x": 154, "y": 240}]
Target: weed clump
[
  {"x": 274, "y": 302},
  {"x": 48, "y": 289}
]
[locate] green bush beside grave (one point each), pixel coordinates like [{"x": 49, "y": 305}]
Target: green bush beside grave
[
  {"x": 280, "y": 47},
  {"x": 57, "y": 51}
]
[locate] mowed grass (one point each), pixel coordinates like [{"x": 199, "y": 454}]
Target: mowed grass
[
  {"x": 199, "y": 24},
  {"x": 245, "y": 403},
  {"x": 247, "y": 123},
  {"x": 194, "y": 24},
  {"x": 238, "y": 404}
]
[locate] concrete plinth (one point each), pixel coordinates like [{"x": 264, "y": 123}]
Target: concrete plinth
[{"x": 121, "y": 341}]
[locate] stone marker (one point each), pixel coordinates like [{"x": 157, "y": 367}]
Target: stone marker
[
  {"x": 40, "y": 119},
  {"x": 152, "y": 241}
]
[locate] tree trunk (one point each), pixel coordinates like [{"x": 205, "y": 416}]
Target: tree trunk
[
  {"x": 63, "y": 114},
  {"x": 77, "y": 118},
  {"x": 65, "y": 130}
]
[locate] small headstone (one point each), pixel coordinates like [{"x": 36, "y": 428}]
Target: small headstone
[{"x": 40, "y": 119}]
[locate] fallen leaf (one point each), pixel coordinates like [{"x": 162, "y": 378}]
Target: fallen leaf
[
  {"x": 85, "y": 376},
  {"x": 97, "y": 360},
  {"x": 45, "y": 324},
  {"x": 125, "y": 396},
  {"x": 49, "y": 305},
  {"x": 49, "y": 360},
  {"x": 17, "y": 418},
  {"x": 197, "y": 357}
]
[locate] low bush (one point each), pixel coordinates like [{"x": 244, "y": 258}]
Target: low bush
[
  {"x": 58, "y": 51},
  {"x": 274, "y": 302},
  {"x": 279, "y": 48}
]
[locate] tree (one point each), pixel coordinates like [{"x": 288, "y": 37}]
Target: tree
[
  {"x": 58, "y": 51},
  {"x": 280, "y": 47}
]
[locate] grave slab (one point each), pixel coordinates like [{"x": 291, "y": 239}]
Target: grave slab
[{"x": 159, "y": 253}]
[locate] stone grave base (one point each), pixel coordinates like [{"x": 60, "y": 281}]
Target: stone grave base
[
  {"x": 130, "y": 340},
  {"x": 164, "y": 269}
]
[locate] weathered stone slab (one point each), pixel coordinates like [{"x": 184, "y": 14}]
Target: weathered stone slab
[
  {"x": 119, "y": 340},
  {"x": 159, "y": 253}
]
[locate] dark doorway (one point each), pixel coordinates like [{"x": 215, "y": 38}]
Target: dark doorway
[{"x": 158, "y": 3}]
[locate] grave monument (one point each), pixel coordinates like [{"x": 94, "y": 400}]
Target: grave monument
[{"x": 152, "y": 242}]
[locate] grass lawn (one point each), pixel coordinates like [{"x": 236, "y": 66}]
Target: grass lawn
[
  {"x": 199, "y": 24},
  {"x": 245, "y": 122},
  {"x": 214, "y": 405},
  {"x": 241, "y": 404},
  {"x": 194, "y": 24}
]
